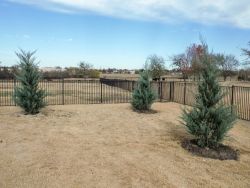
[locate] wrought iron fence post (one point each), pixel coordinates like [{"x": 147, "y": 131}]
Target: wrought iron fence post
[
  {"x": 185, "y": 84},
  {"x": 232, "y": 98},
  {"x": 170, "y": 91},
  {"x": 161, "y": 91},
  {"x": 101, "y": 90},
  {"x": 133, "y": 85},
  {"x": 62, "y": 91},
  {"x": 173, "y": 92},
  {"x": 14, "y": 91}
]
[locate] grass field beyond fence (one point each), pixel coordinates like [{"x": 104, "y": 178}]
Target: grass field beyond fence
[{"x": 61, "y": 92}]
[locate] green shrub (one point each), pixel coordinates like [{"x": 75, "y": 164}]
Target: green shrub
[
  {"x": 143, "y": 96},
  {"x": 28, "y": 95},
  {"x": 209, "y": 120},
  {"x": 93, "y": 74}
]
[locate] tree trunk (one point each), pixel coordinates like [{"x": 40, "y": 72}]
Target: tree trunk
[{"x": 225, "y": 77}]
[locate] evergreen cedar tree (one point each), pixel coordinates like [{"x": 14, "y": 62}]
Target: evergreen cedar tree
[
  {"x": 28, "y": 95},
  {"x": 209, "y": 120},
  {"x": 143, "y": 96}
]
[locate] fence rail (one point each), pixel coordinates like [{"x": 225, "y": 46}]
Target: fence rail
[{"x": 62, "y": 91}]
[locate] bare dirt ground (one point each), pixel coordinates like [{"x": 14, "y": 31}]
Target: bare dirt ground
[{"x": 111, "y": 146}]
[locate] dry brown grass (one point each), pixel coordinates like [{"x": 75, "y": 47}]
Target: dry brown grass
[
  {"x": 111, "y": 146},
  {"x": 121, "y": 76}
]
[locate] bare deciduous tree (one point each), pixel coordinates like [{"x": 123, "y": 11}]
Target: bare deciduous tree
[
  {"x": 194, "y": 54},
  {"x": 246, "y": 52},
  {"x": 227, "y": 64},
  {"x": 156, "y": 66},
  {"x": 85, "y": 66},
  {"x": 183, "y": 65},
  {"x": 190, "y": 61}
]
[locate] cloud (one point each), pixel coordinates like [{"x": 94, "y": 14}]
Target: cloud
[{"x": 211, "y": 12}]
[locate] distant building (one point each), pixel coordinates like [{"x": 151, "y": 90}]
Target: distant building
[
  {"x": 5, "y": 68},
  {"x": 132, "y": 71},
  {"x": 51, "y": 69}
]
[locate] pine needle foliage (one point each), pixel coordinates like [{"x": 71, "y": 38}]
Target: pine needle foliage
[
  {"x": 28, "y": 95},
  {"x": 143, "y": 96},
  {"x": 209, "y": 120}
]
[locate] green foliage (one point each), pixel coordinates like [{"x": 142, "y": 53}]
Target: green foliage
[
  {"x": 143, "y": 96},
  {"x": 138, "y": 71},
  {"x": 209, "y": 120},
  {"x": 156, "y": 66},
  {"x": 244, "y": 74},
  {"x": 94, "y": 74},
  {"x": 28, "y": 95}
]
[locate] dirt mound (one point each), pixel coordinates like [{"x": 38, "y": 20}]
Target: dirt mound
[{"x": 222, "y": 152}]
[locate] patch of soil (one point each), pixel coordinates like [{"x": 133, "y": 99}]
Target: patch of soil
[
  {"x": 150, "y": 111},
  {"x": 56, "y": 113},
  {"x": 222, "y": 152}
]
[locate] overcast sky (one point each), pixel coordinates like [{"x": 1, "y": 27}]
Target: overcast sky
[{"x": 119, "y": 33}]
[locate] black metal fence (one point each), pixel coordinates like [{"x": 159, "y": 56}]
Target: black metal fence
[
  {"x": 184, "y": 93},
  {"x": 62, "y": 91},
  {"x": 236, "y": 96}
]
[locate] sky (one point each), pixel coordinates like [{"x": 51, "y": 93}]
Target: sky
[{"x": 118, "y": 33}]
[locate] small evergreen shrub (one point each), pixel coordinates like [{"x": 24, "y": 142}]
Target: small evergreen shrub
[
  {"x": 209, "y": 120},
  {"x": 28, "y": 95},
  {"x": 143, "y": 96}
]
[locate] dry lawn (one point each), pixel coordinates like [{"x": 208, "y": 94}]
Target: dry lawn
[
  {"x": 111, "y": 146},
  {"x": 121, "y": 76}
]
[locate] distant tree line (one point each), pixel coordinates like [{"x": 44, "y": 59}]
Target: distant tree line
[
  {"x": 189, "y": 63},
  {"x": 85, "y": 70},
  {"x": 8, "y": 72}
]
